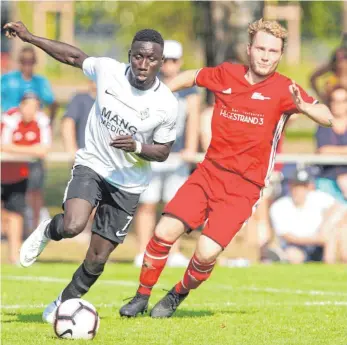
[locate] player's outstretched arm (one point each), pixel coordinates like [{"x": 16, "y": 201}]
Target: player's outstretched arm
[
  {"x": 60, "y": 51},
  {"x": 183, "y": 80},
  {"x": 319, "y": 113}
]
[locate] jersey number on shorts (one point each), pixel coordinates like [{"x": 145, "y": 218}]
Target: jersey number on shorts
[{"x": 123, "y": 232}]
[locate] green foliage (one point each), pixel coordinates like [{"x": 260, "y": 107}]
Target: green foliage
[
  {"x": 174, "y": 20},
  {"x": 321, "y": 19}
]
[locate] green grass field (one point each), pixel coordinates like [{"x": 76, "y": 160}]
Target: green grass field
[{"x": 272, "y": 305}]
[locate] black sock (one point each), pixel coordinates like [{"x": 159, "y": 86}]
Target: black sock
[
  {"x": 55, "y": 228},
  {"x": 81, "y": 281}
]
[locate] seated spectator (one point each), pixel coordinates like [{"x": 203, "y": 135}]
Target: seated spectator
[
  {"x": 333, "y": 178},
  {"x": 28, "y": 132},
  {"x": 16, "y": 83},
  {"x": 310, "y": 224}
]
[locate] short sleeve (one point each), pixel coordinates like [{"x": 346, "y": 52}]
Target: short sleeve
[
  {"x": 89, "y": 67},
  {"x": 278, "y": 217},
  {"x": 45, "y": 130},
  {"x": 213, "y": 78},
  {"x": 323, "y": 199},
  {"x": 166, "y": 131},
  {"x": 46, "y": 92},
  {"x": 324, "y": 136},
  {"x": 288, "y": 106},
  {"x": 73, "y": 109},
  {"x": 6, "y": 130}
]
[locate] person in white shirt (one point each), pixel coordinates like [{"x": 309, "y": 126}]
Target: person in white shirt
[
  {"x": 132, "y": 122},
  {"x": 309, "y": 223}
]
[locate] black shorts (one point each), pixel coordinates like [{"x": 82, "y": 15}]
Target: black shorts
[
  {"x": 115, "y": 207},
  {"x": 13, "y": 196}
]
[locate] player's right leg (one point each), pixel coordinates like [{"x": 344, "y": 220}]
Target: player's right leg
[{"x": 81, "y": 196}]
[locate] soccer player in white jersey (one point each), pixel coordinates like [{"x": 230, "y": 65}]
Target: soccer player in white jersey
[{"x": 131, "y": 123}]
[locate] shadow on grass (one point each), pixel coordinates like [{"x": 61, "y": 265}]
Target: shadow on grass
[
  {"x": 25, "y": 318},
  {"x": 203, "y": 313}
]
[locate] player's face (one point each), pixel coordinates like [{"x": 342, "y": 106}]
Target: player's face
[
  {"x": 27, "y": 63},
  {"x": 299, "y": 192},
  {"x": 29, "y": 108},
  {"x": 145, "y": 58},
  {"x": 264, "y": 54},
  {"x": 171, "y": 67},
  {"x": 338, "y": 103}
]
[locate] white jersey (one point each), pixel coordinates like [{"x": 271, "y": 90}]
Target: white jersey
[
  {"x": 301, "y": 222},
  {"x": 121, "y": 109}
]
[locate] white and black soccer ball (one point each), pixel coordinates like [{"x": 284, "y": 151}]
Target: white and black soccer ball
[{"x": 76, "y": 319}]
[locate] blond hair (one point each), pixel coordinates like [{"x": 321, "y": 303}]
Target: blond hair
[{"x": 271, "y": 27}]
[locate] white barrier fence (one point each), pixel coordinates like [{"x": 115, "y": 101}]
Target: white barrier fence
[{"x": 301, "y": 159}]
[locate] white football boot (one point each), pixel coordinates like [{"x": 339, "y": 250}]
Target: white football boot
[
  {"x": 48, "y": 314},
  {"x": 34, "y": 245}
]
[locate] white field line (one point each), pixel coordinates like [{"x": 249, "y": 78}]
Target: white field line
[
  {"x": 218, "y": 306},
  {"x": 209, "y": 286}
]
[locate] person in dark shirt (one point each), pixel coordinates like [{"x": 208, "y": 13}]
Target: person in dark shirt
[{"x": 333, "y": 178}]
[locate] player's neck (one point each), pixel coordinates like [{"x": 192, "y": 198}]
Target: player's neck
[
  {"x": 27, "y": 76},
  {"x": 254, "y": 78}
]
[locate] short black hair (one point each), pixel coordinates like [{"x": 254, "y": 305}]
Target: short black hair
[{"x": 149, "y": 35}]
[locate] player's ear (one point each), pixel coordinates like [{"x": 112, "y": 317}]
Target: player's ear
[
  {"x": 248, "y": 49},
  {"x": 129, "y": 54}
]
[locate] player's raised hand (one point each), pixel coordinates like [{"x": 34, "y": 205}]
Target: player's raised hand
[
  {"x": 124, "y": 142},
  {"x": 299, "y": 102},
  {"x": 17, "y": 29}
]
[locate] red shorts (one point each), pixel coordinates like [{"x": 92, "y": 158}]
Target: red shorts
[{"x": 224, "y": 198}]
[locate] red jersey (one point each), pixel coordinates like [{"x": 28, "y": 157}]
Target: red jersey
[
  {"x": 15, "y": 131},
  {"x": 247, "y": 119}
]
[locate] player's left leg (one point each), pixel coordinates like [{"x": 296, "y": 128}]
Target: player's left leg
[
  {"x": 86, "y": 275},
  {"x": 230, "y": 205}
]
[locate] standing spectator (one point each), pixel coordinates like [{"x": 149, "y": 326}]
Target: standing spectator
[
  {"x": 169, "y": 176},
  {"x": 75, "y": 119},
  {"x": 15, "y": 84},
  {"x": 25, "y": 131},
  {"x": 333, "y": 140},
  {"x": 309, "y": 223}
]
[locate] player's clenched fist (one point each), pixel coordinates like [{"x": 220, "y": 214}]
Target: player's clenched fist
[
  {"x": 125, "y": 143},
  {"x": 14, "y": 29}
]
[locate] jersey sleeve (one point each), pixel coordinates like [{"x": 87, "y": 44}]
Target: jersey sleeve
[
  {"x": 213, "y": 78},
  {"x": 288, "y": 105},
  {"x": 45, "y": 130},
  {"x": 278, "y": 218},
  {"x": 166, "y": 131},
  {"x": 6, "y": 130},
  {"x": 89, "y": 67}
]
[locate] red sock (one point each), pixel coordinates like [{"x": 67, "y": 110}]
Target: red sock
[
  {"x": 195, "y": 274},
  {"x": 156, "y": 254}
]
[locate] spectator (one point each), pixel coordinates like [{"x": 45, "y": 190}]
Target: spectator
[
  {"x": 309, "y": 223},
  {"x": 75, "y": 119},
  {"x": 15, "y": 84},
  {"x": 333, "y": 178},
  {"x": 26, "y": 132},
  {"x": 169, "y": 176},
  {"x": 337, "y": 67}
]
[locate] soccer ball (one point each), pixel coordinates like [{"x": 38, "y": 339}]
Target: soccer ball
[{"x": 76, "y": 319}]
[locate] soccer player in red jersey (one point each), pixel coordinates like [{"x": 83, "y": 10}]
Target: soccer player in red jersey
[{"x": 252, "y": 105}]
